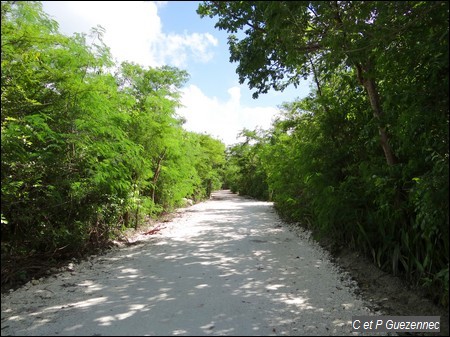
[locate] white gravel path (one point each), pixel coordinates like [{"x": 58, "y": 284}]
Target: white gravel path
[{"x": 227, "y": 266}]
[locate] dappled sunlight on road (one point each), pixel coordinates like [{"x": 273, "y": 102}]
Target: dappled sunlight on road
[{"x": 226, "y": 267}]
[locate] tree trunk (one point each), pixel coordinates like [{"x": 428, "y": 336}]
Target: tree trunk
[
  {"x": 157, "y": 172},
  {"x": 371, "y": 89},
  {"x": 370, "y": 85}
]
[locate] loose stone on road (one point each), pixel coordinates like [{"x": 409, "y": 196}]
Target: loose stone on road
[{"x": 227, "y": 266}]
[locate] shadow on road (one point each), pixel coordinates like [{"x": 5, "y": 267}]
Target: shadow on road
[{"x": 226, "y": 269}]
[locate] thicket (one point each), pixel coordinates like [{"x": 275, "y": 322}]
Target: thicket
[
  {"x": 365, "y": 158},
  {"x": 89, "y": 148}
]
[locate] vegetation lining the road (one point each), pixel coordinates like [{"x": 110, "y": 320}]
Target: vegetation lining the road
[
  {"x": 89, "y": 148},
  {"x": 364, "y": 159}
]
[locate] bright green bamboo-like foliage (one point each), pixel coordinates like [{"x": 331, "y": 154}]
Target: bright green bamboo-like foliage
[
  {"x": 365, "y": 157},
  {"x": 88, "y": 147}
]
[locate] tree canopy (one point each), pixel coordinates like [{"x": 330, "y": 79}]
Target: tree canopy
[
  {"x": 365, "y": 157},
  {"x": 89, "y": 147}
]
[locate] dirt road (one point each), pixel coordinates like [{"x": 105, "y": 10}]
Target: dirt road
[{"x": 224, "y": 267}]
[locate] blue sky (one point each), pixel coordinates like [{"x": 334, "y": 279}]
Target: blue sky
[{"x": 171, "y": 32}]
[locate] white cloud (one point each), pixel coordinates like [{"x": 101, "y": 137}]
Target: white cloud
[
  {"x": 160, "y": 4},
  {"x": 133, "y": 31},
  {"x": 175, "y": 49},
  {"x": 223, "y": 120}
]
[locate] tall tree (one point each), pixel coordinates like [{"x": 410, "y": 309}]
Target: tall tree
[
  {"x": 86, "y": 152},
  {"x": 381, "y": 76},
  {"x": 280, "y": 38}
]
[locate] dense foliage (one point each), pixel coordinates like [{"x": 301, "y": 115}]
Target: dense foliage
[
  {"x": 89, "y": 147},
  {"x": 364, "y": 158}
]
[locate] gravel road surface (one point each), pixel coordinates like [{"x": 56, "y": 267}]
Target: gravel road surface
[{"x": 227, "y": 266}]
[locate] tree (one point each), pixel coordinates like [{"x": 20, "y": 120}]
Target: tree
[
  {"x": 86, "y": 153},
  {"x": 245, "y": 171},
  {"x": 381, "y": 76},
  {"x": 64, "y": 146},
  {"x": 283, "y": 37},
  {"x": 153, "y": 126}
]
